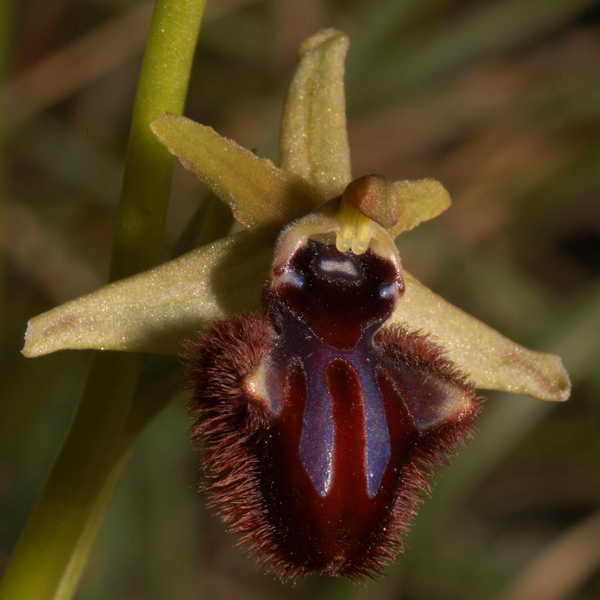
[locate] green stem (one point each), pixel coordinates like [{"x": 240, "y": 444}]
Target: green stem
[
  {"x": 53, "y": 548},
  {"x": 147, "y": 180}
]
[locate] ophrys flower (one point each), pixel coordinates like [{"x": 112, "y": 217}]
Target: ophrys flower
[{"x": 324, "y": 418}]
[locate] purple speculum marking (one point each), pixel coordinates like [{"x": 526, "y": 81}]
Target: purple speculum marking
[{"x": 326, "y": 306}]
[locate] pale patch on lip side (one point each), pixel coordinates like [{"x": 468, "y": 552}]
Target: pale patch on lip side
[
  {"x": 455, "y": 406},
  {"x": 256, "y": 386},
  {"x": 287, "y": 277}
]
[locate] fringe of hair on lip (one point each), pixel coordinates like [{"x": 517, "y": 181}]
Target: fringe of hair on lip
[{"x": 229, "y": 425}]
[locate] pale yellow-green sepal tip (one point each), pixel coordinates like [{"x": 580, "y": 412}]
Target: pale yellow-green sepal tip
[
  {"x": 313, "y": 141},
  {"x": 156, "y": 310},
  {"x": 491, "y": 360},
  {"x": 263, "y": 197}
]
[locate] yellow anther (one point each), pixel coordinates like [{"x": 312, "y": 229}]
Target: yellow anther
[{"x": 355, "y": 230}]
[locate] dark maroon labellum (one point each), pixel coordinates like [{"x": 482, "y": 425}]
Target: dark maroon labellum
[{"x": 320, "y": 426}]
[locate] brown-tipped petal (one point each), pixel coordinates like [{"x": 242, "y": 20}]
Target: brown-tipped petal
[
  {"x": 262, "y": 197},
  {"x": 492, "y": 361},
  {"x": 375, "y": 197},
  {"x": 313, "y": 140},
  {"x": 157, "y": 309},
  {"x": 419, "y": 201}
]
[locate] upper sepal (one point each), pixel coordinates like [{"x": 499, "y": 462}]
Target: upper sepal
[{"x": 313, "y": 141}]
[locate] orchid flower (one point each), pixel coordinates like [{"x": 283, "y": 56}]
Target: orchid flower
[{"x": 345, "y": 321}]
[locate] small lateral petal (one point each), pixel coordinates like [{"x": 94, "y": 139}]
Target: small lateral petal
[
  {"x": 262, "y": 196},
  {"x": 419, "y": 201},
  {"x": 491, "y": 360},
  {"x": 375, "y": 197},
  {"x": 156, "y": 310},
  {"x": 314, "y": 140}
]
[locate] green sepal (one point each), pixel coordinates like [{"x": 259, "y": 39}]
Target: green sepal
[
  {"x": 263, "y": 197},
  {"x": 491, "y": 361},
  {"x": 313, "y": 141},
  {"x": 156, "y": 310}
]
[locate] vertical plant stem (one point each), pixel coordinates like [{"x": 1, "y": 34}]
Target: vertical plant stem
[
  {"x": 147, "y": 180},
  {"x": 53, "y": 548}
]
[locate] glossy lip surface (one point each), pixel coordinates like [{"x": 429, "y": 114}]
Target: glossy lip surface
[
  {"x": 321, "y": 429},
  {"x": 325, "y": 320}
]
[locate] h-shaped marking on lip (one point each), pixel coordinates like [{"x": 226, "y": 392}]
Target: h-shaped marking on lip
[{"x": 317, "y": 443}]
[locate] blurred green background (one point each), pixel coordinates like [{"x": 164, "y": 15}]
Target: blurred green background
[{"x": 498, "y": 99}]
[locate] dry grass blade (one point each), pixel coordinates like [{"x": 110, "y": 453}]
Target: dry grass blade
[
  {"x": 80, "y": 63},
  {"x": 43, "y": 258},
  {"x": 86, "y": 60},
  {"x": 563, "y": 567}
]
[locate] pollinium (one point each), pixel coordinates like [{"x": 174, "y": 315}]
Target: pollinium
[{"x": 321, "y": 425}]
